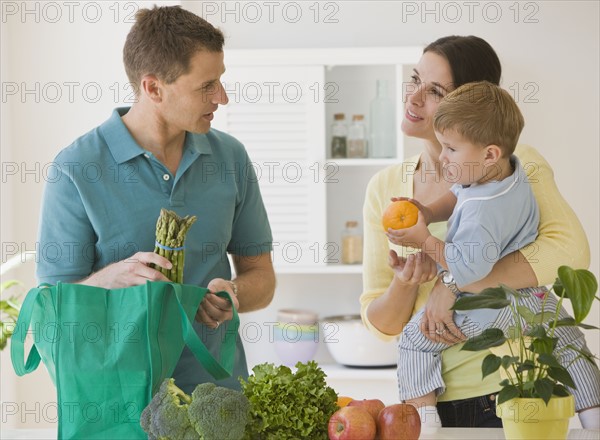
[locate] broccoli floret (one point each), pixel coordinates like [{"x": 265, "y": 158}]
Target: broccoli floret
[
  {"x": 218, "y": 413},
  {"x": 166, "y": 415}
]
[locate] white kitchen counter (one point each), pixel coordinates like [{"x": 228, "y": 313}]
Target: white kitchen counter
[
  {"x": 434, "y": 434},
  {"x": 363, "y": 383}
]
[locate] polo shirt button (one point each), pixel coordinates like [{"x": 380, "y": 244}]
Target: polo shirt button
[
  {"x": 146, "y": 155},
  {"x": 166, "y": 177}
]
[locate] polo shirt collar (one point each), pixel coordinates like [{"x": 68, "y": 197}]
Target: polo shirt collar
[
  {"x": 197, "y": 143},
  {"x": 123, "y": 146}
]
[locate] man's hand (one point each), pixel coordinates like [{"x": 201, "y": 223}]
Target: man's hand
[
  {"x": 129, "y": 272},
  {"x": 438, "y": 322},
  {"x": 214, "y": 310}
]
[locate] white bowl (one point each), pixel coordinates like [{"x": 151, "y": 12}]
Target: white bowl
[{"x": 352, "y": 344}]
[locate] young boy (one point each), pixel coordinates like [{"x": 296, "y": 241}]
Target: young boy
[{"x": 491, "y": 212}]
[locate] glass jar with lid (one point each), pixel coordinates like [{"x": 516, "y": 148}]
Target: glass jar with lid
[
  {"x": 339, "y": 136},
  {"x": 357, "y": 138},
  {"x": 352, "y": 244}
]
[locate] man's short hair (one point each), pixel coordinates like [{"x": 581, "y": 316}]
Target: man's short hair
[
  {"x": 482, "y": 113},
  {"x": 163, "y": 40}
]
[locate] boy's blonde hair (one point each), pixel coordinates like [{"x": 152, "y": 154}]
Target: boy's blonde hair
[{"x": 482, "y": 113}]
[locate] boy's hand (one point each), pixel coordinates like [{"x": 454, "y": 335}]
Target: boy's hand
[
  {"x": 424, "y": 209},
  {"x": 414, "y": 236}
]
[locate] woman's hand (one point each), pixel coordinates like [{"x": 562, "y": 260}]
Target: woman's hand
[
  {"x": 438, "y": 322},
  {"x": 214, "y": 310},
  {"x": 390, "y": 312},
  {"x": 413, "y": 270}
]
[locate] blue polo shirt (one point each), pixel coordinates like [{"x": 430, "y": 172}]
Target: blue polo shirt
[{"x": 104, "y": 193}]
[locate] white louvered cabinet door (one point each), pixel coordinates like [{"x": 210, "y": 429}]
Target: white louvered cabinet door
[{"x": 278, "y": 114}]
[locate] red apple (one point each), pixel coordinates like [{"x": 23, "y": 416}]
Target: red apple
[
  {"x": 372, "y": 406},
  {"x": 351, "y": 423},
  {"x": 399, "y": 422}
]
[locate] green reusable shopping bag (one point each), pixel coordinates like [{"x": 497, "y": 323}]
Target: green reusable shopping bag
[{"x": 107, "y": 351}]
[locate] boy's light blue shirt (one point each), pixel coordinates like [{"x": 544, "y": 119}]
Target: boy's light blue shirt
[
  {"x": 103, "y": 196},
  {"x": 489, "y": 221}
]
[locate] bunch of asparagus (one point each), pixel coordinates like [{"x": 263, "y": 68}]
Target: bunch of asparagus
[{"x": 170, "y": 237}]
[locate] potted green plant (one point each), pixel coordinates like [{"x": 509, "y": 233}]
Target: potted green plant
[
  {"x": 533, "y": 385},
  {"x": 9, "y": 312},
  {"x": 10, "y": 306}
]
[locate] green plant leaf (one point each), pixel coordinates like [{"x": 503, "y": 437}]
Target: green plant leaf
[
  {"x": 8, "y": 284},
  {"x": 542, "y": 317},
  {"x": 564, "y": 322},
  {"x": 558, "y": 288},
  {"x": 580, "y": 287},
  {"x": 12, "y": 302},
  {"x": 570, "y": 322},
  {"x": 525, "y": 313},
  {"x": 513, "y": 292},
  {"x": 504, "y": 383},
  {"x": 528, "y": 385},
  {"x": 584, "y": 354},
  {"x": 488, "y": 299},
  {"x": 536, "y": 331},
  {"x": 491, "y": 337},
  {"x": 507, "y": 361},
  {"x": 560, "y": 390},
  {"x": 527, "y": 365},
  {"x": 543, "y": 388},
  {"x": 490, "y": 364},
  {"x": 548, "y": 359},
  {"x": 512, "y": 332},
  {"x": 562, "y": 375},
  {"x": 507, "y": 393},
  {"x": 544, "y": 345}
]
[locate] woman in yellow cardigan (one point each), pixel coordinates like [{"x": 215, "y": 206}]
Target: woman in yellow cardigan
[{"x": 396, "y": 283}]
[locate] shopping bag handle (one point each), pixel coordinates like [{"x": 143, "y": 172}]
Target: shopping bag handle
[
  {"x": 218, "y": 370},
  {"x": 17, "y": 348}
]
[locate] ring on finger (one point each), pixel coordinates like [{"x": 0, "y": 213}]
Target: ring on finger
[
  {"x": 218, "y": 324},
  {"x": 439, "y": 332}
]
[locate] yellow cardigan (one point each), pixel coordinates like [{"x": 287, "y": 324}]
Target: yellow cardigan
[{"x": 561, "y": 241}]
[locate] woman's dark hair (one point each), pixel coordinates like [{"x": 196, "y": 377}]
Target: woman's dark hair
[{"x": 471, "y": 59}]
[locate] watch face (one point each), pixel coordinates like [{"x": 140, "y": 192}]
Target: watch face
[{"x": 448, "y": 278}]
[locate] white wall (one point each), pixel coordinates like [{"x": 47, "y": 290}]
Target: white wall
[{"x": 556, "y": 58}]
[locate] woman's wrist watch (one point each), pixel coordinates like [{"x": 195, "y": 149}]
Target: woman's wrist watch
[{"x": 448, "y": 279}]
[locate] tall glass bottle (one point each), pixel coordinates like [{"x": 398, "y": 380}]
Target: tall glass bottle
[
  {"x": 357, "y": 138},
  {"x": 339, "y": 135},
  {"x": 382, "y": 142}
]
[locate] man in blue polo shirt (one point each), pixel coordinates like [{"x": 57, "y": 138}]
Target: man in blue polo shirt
[{"x": 100, "y": 207}]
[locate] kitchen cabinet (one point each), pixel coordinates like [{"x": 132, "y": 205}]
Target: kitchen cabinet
[{"x": 281, "y": 106}]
